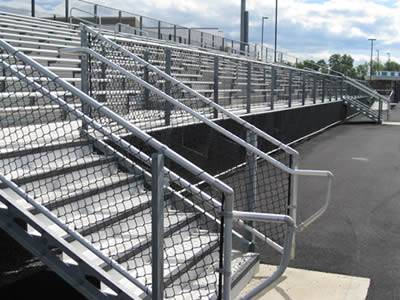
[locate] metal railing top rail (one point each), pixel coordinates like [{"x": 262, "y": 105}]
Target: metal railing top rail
[
  {"x": 356, "y": 83},
  {"x": 254, "y": 150},
  {"x": 207, "y": 101},
  {"x": 183, "y": 162},
  {"x": 257, "y": 217}
]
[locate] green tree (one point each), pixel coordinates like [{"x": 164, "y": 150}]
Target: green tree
[
  {"x": 391, "y": 66},
  {"x": 342, "y": 63}
]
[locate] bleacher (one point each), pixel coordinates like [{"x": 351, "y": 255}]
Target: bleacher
[{"x": 86, "y": 195}]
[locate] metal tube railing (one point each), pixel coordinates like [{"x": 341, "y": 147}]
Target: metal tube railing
[
  {"x": 228, "y": 134},
  {"x": 132, "y": 129},
  {"x": 270, "y": 218}
]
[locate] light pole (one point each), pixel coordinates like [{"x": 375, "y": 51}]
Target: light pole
[
  {"x": 262, "y": 38},
  {"x": 276, "y": 28},
  {"x": 33, "y": 8},
  {"x": 244, "y": 25},
  {"x": 372, "y": 53}
]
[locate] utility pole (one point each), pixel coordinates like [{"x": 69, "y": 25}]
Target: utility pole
[
  {"x": 244, "y": 25},
  {"x": 66, "y": 10},
  {"x": 276, "y": 29},
  {"x": 372, "y": 53},
  {"x": 262, "y": 38},
  {"x": 33, "y": 8}
]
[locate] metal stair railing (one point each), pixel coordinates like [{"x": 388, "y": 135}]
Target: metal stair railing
[
  {"x": 95, "y": 128},
  {"x": 293, "y": 171}
]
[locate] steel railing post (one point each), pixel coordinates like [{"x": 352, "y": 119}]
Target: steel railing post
[
  {"x": 293, "y": 198},
  {"x": 174, "y": 33},
  {"x": 303, "y": 89},
  {"x": 95, "y": 8},
  {"x": 216, "y": 83},
  {"x": 157, "y": 226},
  {"x": 201, "y": 39},
  {"x": 189, "y": 36},
  {"x": 273, "y": 86},
  {"x": 119, "y": 21},
  {"x": 251, "y": 184},
  {"x": 290, "y": 88},
  {"x": 146, "y": 93},
  {"x": 141, "y": 25},
  {"x": 227, "y": 247},
  {"x": 66, "y": 10},
  {"x": 265, "y": 83},
  {"x": 315, "y": 89},
  {"x": 341, "y": 88},
  {"x": 248, "y": 88},
  {"x": 168, "y": 86},
  {"x": 323, "y": 89},
  {"x": 85, "y": 76},
  {"x": 223, "y": 44},
  {"x": 380, "y": 111},
  {"x": 159, "y": 30}
]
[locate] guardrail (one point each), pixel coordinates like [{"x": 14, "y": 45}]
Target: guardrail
[{"x": 171, "y": 32}]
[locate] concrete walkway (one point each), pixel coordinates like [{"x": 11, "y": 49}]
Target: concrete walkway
[
  {"x": 297, "y": 284},
  {"x": 360, "y": 234}
]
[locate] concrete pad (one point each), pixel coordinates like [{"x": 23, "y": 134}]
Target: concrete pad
[{"x": 298, "y": 284}]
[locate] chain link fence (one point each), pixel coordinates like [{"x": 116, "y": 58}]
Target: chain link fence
[
  {"x": 81, "y": 169},
  {"x": 259, "y": 185}
]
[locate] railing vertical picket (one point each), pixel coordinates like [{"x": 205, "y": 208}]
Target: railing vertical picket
[
  {"x": 290, "y": 88},
  {"x": 119, "y": 20},
  {"x": 273, "y": 86},
  {"x": 216, "y": 83},
  {"x": 315, "y": 89},
  {"x": 159, "y": 30},
  {"x": 189, "y": 36},
  {"x": 157, "y": 224},
  {"x": 141, "y": 25},
  {"x": 323, "y": 89},
  {"x": 167, "y": 86},
  {"x": 85, "y": 76},
  {"x": 95, "y": 9},
  {"x": 248, "y": 88},
  {"x": 146, "y": 93},
  {"x": 251, "y": 184},
  {"x": 303, "y": 90},
  {"x": 174, "y": 33}
]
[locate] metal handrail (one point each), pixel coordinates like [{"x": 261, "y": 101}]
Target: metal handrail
[
  {"x": 120, "y": 142},
  {"x": 83, "y": 20},
  {"x": 232, "y": 57},
  {"x": 118, "y": 25},
  {"x": 293, "y": 171},
  {"x": 228, "y": 41},
  {"x": 270, "y": 218}
]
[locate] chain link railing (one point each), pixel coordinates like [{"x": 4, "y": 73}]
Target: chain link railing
[
  {"x": 162, "y": 101},
  {"x": 65, "y": 161}
]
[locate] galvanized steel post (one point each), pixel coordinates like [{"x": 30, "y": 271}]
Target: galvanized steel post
[
  {"x": 216, "y": 83},
  {"x": 146, "y": 93},
  {"x": 85, "y": 76},
  {"x": 251, "y": 184},
  {"x": 290, "y": 87},
  {"x": 157, "y": 226},
  {"x": 248, "y": 88},
  {"x": 273, "y": 86},
  {"x": 167, "y": 86}
]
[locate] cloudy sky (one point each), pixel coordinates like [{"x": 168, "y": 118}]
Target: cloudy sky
[{"x": 307, "y": 28}]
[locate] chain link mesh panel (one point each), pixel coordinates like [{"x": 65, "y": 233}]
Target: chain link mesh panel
[
  {"x": 270, "y": 185},
  {"x": 73, "y": 167}
]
